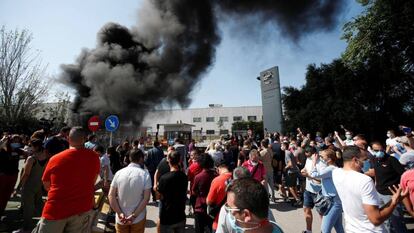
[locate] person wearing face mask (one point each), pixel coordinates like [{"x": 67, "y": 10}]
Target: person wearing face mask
[
  {"x": 388, "y": 171},
  {"x": 360, "y": 201},
  {"x": 333, "y": 218},
  {"x": 247, "y": 207},
  {"x": 392, "y": 142},
  {"x": 255, "y": 167},
  {"x": 312, "y": 186}
]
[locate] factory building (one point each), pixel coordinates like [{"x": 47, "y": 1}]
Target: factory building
[{"x": 212, "y": 121}]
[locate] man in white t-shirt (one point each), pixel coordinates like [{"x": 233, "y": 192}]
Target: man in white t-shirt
[
  {"x": 105, "y": 171},
  {"x": 313, "y": 186},
  {"x": 359, "y": 198},
  {"x": 129, "y": 195}
]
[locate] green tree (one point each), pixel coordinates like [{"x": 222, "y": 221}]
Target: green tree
[{"x": 371, "y": 88}]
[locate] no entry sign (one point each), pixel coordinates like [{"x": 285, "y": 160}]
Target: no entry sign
[{"x": 94, "y": 123}]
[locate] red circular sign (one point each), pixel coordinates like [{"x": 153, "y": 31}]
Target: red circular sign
[{"x": 94, "y": 123}]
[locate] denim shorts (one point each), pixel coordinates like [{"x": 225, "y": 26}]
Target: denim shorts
[{"x": 309, "y": 199}]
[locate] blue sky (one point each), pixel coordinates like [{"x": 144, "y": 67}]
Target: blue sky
[{"x": 62, "y": 28}]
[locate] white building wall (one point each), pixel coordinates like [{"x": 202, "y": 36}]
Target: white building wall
[{"x": 187, "y": 116}]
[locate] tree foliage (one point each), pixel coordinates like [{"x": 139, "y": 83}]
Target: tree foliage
[
  {"x": 21, "y": 84},
  {"x": 370, "y": 89}
]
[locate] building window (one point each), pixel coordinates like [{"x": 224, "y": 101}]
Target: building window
[
  {"x": 209, "y": 119},
  {"x": 210, "y": 131},
  {"x": 237, "y": 118},
  {"x": 251, "y": 118},
  {"x": 224, "y": 119},
  {"x": 196, "y": 119},
  {"x": 224, "y": 131}
]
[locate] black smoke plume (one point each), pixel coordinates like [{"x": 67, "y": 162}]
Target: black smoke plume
[{"x": 132, "y": 71}]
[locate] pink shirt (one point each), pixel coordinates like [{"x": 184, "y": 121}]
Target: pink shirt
[
  {"x": 260, "y": 172},
  {"x": 407, "y": 181}
]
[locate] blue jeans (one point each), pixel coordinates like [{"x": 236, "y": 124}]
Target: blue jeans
[
  {"x": 334, "y": 218},
  {"x": 396, "y": 221}
]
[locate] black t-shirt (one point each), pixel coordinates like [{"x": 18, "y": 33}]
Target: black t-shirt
[
  {"x": 163, "y": 167},
  {"x": 173, "y": 188},
  {"x": 387, "y": 173},
  {"x": 55, "y": 145},
  {"x": 277, "y": 151}
]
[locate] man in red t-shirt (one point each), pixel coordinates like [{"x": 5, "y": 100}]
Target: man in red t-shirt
[
  {"x": 69, "y": 178},
  {"x": 217, "y": 194}
]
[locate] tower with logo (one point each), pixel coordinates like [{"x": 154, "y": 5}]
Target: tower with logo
[{"x": 271, "y": 100}]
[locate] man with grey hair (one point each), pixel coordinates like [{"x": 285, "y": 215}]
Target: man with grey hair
[{"x": 69, "y": 178}]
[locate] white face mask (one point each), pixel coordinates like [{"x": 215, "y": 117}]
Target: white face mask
[
  {"x": 253, "y": 163},
  {"x": 388, "y": 135},
  {"x": 349, "y": 137}
]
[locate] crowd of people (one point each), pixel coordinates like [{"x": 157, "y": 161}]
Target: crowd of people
[{"x": 227, "y": 187}]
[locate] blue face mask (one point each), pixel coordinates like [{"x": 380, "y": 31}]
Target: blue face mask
[
  {"x": 236, "y": 228},
  {"x": 379, "y": 154}
]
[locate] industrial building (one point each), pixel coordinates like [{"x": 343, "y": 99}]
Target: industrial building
[{"x": 211, "y": 121}]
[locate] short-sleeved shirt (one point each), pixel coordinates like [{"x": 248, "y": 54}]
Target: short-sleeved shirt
[
  {"x": 356, "y": 189},
  {"x": 266, "y": 157},
  {"x": 200, "y": 189},
  {"x": 407, "y": 181},
  {"x": 193, "y": 170},
  {"x": 407, "y": 157},
  {"x": 289, "y": 157},
  {"x": 387, "y": 173},
  {"x": 312, "y": 185},
  {"x": 173, "y": 188},
  {"x": 217, "y": 192},
  {"x": 72, "y": 174},
  {"x": 259, "y": 172},
  {"x": 131, "y": 182},
  {"x": 104, "y": 159}
]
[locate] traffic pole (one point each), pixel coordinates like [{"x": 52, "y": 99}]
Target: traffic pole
[{"x": 110, "y": 139}]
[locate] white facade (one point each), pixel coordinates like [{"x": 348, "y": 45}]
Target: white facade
[{"x": 209, "y": 119}]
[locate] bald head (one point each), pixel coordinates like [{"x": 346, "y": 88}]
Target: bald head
[{"x": 77, "y": 136}]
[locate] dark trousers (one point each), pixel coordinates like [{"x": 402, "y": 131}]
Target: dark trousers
[
  {"x": 202, "y": 220},
  {"x": 152, "y": 174},
  {"x": 7, "y": 183}
]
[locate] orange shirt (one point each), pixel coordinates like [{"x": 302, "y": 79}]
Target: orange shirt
[
  {"x": 72, "y": 175},
  {"x": 218, "y": 192}
]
